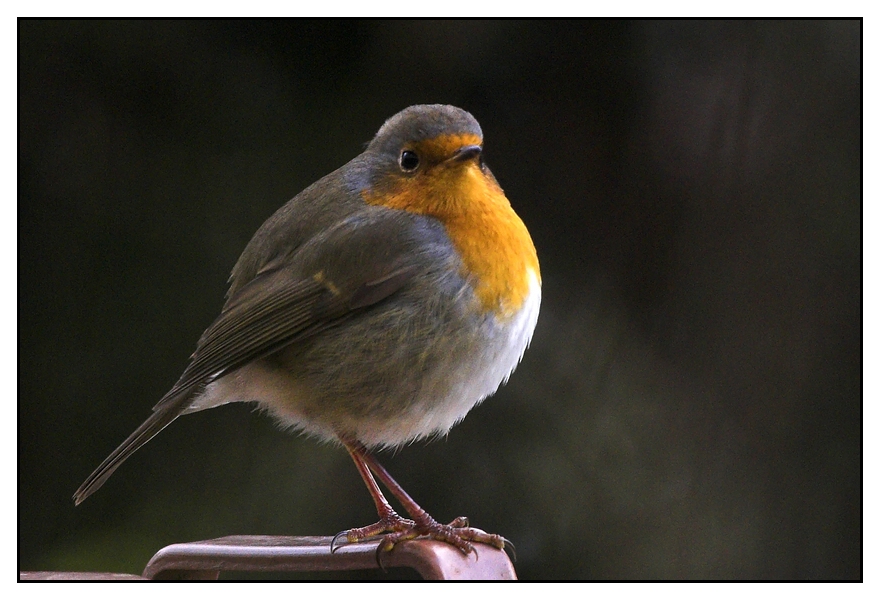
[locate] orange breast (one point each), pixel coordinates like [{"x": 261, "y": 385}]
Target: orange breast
[{"x": 493, "y": 242}]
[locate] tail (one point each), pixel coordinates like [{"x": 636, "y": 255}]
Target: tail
[{"x": 161, "y": 418}]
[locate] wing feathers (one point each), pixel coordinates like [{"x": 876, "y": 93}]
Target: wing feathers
[{"x": 280, "y": 306}]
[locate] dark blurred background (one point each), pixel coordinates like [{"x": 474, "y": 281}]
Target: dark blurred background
[{"x": 691, "y": 403}]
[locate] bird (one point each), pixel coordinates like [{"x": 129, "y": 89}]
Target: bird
[{"x": 375, "y": 308}]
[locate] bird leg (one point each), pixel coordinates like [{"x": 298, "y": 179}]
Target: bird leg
[
  {"x": 389, "y": 520},
  {"x": 456, "y": 533}
]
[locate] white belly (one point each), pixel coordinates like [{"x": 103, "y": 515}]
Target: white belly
[{"x": 474, "y": 381}]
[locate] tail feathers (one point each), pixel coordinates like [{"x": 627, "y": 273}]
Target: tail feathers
[{"x": 160, "y": 419}]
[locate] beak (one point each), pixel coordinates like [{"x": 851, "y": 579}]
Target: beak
[{"x": 466, "y": 153}]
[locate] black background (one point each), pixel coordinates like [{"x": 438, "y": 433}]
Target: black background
[{"x": 691, "y": 403}]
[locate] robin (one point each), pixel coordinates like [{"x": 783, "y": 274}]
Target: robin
[{"x": 376, "y": 308}]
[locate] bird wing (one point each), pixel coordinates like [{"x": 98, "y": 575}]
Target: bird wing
[{"x": 279, "y": 306}]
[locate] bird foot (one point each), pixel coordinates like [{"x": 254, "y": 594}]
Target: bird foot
[
  {"x": 458, "y": 533},
  {"x": 391, "y": 522}
]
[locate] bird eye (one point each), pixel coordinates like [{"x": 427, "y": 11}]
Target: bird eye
[{"x": 409, "y": 160}]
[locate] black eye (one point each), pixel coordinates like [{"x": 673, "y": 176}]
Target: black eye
[{"x": 409, "y": 160}]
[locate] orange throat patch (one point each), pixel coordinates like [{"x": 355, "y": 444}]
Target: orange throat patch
[{"x": 497, "y": 252}]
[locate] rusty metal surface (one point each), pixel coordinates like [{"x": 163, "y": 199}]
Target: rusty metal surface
[{"x": 431, "y": 559}]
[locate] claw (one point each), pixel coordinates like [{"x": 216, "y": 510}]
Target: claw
[
  {"x": 341, "y": 534},
  {"x": 386, "y": 545},
  {"x": 508, "y": 547},
  {"x": 379, "y": 557}
]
